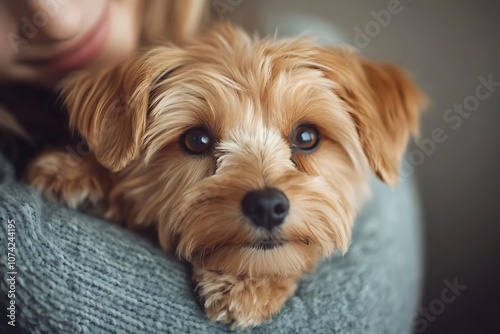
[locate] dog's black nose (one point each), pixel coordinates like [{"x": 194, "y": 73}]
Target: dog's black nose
[{"x": 266, "y": 208}]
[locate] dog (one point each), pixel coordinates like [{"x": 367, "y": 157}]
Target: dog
[{"x": 249, "y": 156}]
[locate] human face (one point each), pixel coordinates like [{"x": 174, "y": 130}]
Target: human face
[{"x": 41, "y": 41}]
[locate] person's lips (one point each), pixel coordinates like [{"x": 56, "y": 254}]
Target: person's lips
[{"x": 84, "y": 51}]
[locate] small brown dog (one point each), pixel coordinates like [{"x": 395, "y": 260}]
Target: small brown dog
[{"x": 250, "y": 156}]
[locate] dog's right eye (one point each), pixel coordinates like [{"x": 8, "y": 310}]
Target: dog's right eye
[{"x": 196, "y": 141}]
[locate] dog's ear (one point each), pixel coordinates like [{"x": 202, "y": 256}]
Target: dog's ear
[
  {"x": 383, "y": 102},
  {"x": 110, "y": 107}
]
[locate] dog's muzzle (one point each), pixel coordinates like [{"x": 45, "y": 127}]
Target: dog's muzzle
[{"x": 265, "y": 208}]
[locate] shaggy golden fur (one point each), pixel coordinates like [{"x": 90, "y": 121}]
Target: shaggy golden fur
[{"x": 250, "y": 94}]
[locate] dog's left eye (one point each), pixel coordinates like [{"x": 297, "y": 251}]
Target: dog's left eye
[
  {"x": 196, "y": 141},
  {"x": 305, "y": 138}
]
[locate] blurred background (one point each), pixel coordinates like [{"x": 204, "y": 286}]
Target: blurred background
[{"x": 452, "y": 47}]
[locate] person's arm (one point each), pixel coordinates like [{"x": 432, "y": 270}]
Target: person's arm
[{"x": 78, "y": 274}]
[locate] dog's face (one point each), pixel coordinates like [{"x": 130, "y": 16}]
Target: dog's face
[{"x": 250, "y": 155}]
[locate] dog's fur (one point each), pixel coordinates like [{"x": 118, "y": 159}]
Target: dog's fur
[{"x": 250, "y": 94}]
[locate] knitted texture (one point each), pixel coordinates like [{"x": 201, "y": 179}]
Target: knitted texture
[{"x": 79, "y": 274}]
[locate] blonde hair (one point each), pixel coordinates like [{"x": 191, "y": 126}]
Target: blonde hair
[{"x": 173, "y": 20}]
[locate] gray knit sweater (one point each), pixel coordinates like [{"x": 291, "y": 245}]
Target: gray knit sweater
[{"x": 78, "y": 274}]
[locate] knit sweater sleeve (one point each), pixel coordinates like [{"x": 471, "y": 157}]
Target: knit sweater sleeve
[{"x": 78, "y": 274}]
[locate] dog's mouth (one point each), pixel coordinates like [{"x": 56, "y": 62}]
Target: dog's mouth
[{"x": 268, "y": 244}]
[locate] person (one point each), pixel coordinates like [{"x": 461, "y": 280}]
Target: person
[
  {"x": 44, "y": 41},
  {"x": 41, "y": 41},
  {"x": 79, "y": 274}
]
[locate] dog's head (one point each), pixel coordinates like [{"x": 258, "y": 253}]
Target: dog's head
[{"x": 250, "y": 154}]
